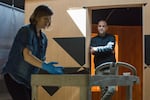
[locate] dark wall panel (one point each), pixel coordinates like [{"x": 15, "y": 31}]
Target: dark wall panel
[{"x": 147, "y": 49}]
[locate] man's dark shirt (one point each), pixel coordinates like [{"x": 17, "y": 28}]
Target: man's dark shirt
[{"x": 106, "y": 55}]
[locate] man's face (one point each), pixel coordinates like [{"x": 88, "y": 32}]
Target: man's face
[{"x": 102, "y": 28}]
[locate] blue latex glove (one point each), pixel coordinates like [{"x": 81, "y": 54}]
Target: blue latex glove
[
  {"x": 59, "y": 69},
  {"x": 50, "y": 68}
]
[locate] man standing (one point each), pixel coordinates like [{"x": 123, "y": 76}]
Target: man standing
[{"x": 102, "y": 47}]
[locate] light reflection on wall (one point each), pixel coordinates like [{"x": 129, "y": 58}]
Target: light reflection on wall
[
  {"x": 78, "y": 15},
  {"x": 11, "y": 20}
]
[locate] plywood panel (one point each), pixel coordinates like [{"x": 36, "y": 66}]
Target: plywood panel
[{"x": 62, "y": 27}]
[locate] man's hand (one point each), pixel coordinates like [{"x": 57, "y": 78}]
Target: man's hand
[{"x": 110, "y": 45}]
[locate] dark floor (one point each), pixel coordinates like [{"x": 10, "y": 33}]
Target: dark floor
[{"x": 4, "y": 95}]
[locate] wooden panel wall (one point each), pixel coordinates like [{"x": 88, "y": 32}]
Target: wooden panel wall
[{"x": 61, "y": 28}]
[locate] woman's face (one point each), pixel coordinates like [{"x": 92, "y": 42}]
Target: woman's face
[{"x": 43, "y": 22}]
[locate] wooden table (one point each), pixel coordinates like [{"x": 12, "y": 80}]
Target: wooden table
[
  {"x": 115, "y": 80},
  {"x": 83, "y": 81},
  {"x": 80, "y": 80}
]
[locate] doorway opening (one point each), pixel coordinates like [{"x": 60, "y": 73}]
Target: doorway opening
[{"x": 126, "y": 25}]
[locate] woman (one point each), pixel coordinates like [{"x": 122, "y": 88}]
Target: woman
[{"x": 27, "y": 55}]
